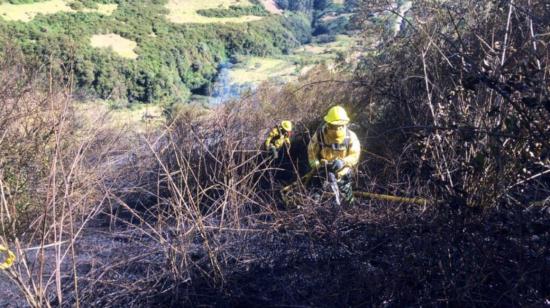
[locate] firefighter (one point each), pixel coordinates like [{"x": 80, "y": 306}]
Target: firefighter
[
  {"x": 336, "y": 148},
  {"x": 278, "y": 137}
]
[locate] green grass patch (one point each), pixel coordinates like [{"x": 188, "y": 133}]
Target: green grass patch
[
  {"x": 337, "y": 43},
  {"x": 27, "y": 12},
  {"x": 121, "y": 46},
  {"x": 256, "y": 69}
]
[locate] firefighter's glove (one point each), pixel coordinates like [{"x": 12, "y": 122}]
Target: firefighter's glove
[{"x": 337, "y": 165}]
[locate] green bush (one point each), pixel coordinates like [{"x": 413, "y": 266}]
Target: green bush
[
  {"x": 235, "y": 11},
  {"x": 76, "y": 5},
  {"x": 89, "y": 4}
]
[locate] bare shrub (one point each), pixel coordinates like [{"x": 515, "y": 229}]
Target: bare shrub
[
  {"x": 466, "y": 90},
  {"x": 214, "y": 197},
  {"x": 49, "y": 180}
]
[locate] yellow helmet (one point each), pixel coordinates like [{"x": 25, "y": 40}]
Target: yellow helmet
[
  {"x": 337, "y": 116},
  {"x": 286, "y": 125}
]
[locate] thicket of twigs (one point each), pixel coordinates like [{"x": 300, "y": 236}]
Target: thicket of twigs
[
  {"x": 215, "y": 200},
  {"x": 466, "y": 86},
  {"x": 53, "y": 171},
  {"x": 192, "y": 214}
]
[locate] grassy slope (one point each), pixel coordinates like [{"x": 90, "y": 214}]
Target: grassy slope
[
  {"x": 179, "y": 11},
  {"x": 26, "y": 12},
  {"x": 121, "y": 46},
  {"x": 173, "y": 59},
  {"x": 258, "y": 69}
]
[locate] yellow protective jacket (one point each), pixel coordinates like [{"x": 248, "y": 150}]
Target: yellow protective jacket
[
  {"x": 277, "y": 138},
  {"x": 321, "y": 147}
]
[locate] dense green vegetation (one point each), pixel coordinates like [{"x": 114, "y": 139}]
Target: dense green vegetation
[
  {"x": 305, "y": 6},
  {"x": 174, "y": 60},
  {"x": 235, "y": 11},
  {"x": 328, "y": 18},
  {"x": 77, "y": 5}
]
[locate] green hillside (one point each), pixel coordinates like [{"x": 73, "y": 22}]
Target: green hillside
[{"x": 146, "y": 50}]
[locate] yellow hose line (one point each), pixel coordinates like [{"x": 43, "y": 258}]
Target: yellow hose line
[
  {"x": 420, "y": 201},
  {"x": 10, "y": 258},
  {"x": 390, "y": 198}
]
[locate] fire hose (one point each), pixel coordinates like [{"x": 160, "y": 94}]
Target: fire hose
[
  {"x": 390, "y": 198},
  {"x": 362, "y": 194}
]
